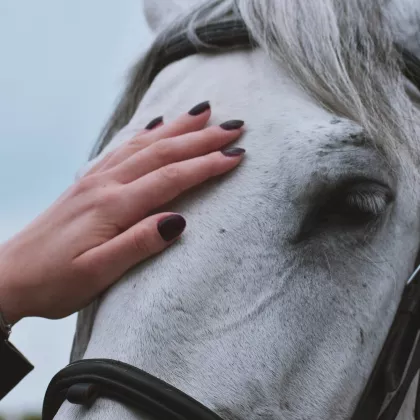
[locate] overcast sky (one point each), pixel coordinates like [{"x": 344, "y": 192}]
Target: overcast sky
[{"x": 62, "y": 66}]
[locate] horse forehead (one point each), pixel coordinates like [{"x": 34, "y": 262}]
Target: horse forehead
[
  {"x": 244, "y": 84},
  {"x": 244, "y": 81}
]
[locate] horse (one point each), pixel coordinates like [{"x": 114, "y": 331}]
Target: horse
[{"x": 276, "y": 303}]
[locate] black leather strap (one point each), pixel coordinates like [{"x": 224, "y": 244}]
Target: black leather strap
[
  {"x": 84, "y": 381},
  {"x": 230, "y": 34},
  {"x": 398, "y": 362}
]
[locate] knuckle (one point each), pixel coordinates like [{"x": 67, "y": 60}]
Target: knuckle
[
  {"x": 133, "y": 140},
  {"x": 97, "y": 192},
  {"x": 140, "y": 243},
  {"x": 85, "y": 184},
  {"x": 106, "y": 197},
  {"x": 136, "y": 142},
  {"x": 172, "y": 178},
  {"x": 217, "y": 137},
  {"x": 215, "y": 131},
  {"x": 128, "y": 150},
  {"x": 162, "y": 150},
  {"x": 210, "y": 165},
  {"x": 132, "y": 145},
  {"x": 171, "y": 173}
]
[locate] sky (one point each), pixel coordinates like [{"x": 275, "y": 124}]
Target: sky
[{"x": 63, "y": 64}]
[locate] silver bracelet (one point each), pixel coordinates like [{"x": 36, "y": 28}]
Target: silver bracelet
[{"x": 5, "y": 327}]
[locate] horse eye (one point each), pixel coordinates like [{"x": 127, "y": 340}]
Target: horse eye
[
  {"x": 358, "y": 203},
  {"x": 350, "y": 205}
]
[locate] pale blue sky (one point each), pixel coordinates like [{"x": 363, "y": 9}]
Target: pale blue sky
[{"x": 62, "y": 66}]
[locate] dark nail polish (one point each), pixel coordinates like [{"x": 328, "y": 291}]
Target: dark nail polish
[
  {"x": 232, "y": 124},
  {"x": 234, "y": 151},
  {"x": 152, "y": 124},
  {"x": 171, "y": 227},
  {"x": 199, "y": 109}
]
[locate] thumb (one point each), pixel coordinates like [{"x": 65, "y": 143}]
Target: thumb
[{"x": 150, "y": 236}]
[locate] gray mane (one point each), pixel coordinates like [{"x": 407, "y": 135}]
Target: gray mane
[{"x": 341, "y": 52}]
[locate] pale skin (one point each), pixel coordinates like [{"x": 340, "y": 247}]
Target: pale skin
[{"x": 100, "y": 227}]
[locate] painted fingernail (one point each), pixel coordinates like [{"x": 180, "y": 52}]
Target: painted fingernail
[
  {"x": 171, "y": 227},
  {"x": 199, "y": 109},
  {"x": 234, "y": 151},
  {"x": 152, "y": 124},
  {"x": 232, "y": 124}
]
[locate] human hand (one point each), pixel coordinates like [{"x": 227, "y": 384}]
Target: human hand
[{"x": 100, "y": 227}]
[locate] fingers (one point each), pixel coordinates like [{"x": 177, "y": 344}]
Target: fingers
[
  {"x": 163, "y": 185},
  {"x": 112, "y": 259},
  {"x": 194, "y": 120},
  {"x": 170, "y": 150},
  {"x": 102, "y": 163}
]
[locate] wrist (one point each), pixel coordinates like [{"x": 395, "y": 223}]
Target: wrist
[
  {"x": 9, "y": 310},
  {"x": 10, "y": 296}
]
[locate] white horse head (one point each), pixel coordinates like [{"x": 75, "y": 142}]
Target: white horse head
[{"x": 278, "y": 299}]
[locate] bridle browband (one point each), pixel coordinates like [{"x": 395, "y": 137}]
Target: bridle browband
[
  {"x": 232, "y": 34},
  {"x": 84, "y": 381}
]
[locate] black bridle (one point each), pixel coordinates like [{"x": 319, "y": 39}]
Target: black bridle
[{"x": 84, "y": 381}]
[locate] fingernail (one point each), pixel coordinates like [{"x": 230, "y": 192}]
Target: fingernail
[
  {"x": 199, "y": 109},
  {"x": 152, "y": 124},
  {"x": 234, "y": 151},
  {"x": 232, "y": 124},
  {"x": 171, "y": 227}
]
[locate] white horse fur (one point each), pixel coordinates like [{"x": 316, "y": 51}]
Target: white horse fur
[{"x": 277, "y": 301}]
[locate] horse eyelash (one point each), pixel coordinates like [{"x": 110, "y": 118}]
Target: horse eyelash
[{"x": 368, "y": 202}]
